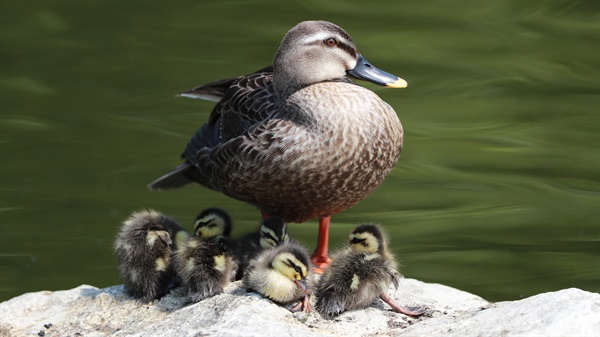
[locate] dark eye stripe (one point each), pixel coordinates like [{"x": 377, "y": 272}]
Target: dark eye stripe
[
  {"x": 296, "y": 268},
  {"x": 345, "y": 47},
  {"x": 348, "y": 49},
  {"x": 268, "y": 236}
]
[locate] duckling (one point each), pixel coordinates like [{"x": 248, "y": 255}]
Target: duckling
[
  {"x": 145, "y": 246},
  {"x": 212, "y": 222},
  {"x": 359, "y": 274},
  {"x": 272, "y": 233},
  {"x": 206, "y": 262},
  {"x": 282, "y": 274}
]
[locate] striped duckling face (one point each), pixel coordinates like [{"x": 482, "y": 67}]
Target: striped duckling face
[
  {"x": 273, "y": 233},
  {"x": 211, "y": 223},
  {"x": 367, "y": 238},
  {"x": 293, "y": 265},
  {"x": 316, "y": 51}
]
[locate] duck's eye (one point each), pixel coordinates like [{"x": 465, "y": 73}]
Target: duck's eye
[
  {"x": 298, "y": 269},
  {"x": 330, "y": 42}
]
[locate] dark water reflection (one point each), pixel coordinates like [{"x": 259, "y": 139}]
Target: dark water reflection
[{"x": 497, "y": 191}]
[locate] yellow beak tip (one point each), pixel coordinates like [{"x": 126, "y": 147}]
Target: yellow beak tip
[{"x": 399, "y": 83}]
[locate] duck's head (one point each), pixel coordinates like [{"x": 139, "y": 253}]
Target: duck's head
[
  {"x": 316, "y": 51},
  {"x": 368, "y": 238},
  {"x": 273, "y": 233},
  {"x": 293, "y": 263},
  {"x": 212, "y": 222}
]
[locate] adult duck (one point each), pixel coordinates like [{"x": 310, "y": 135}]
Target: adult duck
[{"x": 299, "y": 140}]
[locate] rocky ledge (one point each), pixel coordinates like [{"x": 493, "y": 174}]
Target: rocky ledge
[{"x": 89, "y": 311}]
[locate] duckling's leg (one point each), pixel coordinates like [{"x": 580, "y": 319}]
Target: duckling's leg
[
  {"x": 410, "y": 311},
  {"x": 304, "y": 305},
  {"x": 320, "y": 257}
]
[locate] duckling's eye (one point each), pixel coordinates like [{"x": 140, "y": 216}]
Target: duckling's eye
[
  {"x": 330, "y": 42},
  {"x": 298, "y": 269},
  {"x": 268, "y": 236},
  {"x": 357, "y": 240}
]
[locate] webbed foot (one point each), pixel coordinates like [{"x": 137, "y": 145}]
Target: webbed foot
[{"x": 409, "y": 311}]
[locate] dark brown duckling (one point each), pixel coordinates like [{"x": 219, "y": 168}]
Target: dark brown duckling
[
  {"x": 206, "y": 262},
  {"x": 272, "y": 233},
  {"x": 145, "y": 246},
  {"x": 359, "y": 274}
]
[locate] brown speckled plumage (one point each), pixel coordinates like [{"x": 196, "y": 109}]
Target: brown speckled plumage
[{"x": 302, "y": 141}]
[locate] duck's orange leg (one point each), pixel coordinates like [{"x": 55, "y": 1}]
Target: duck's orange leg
[{"x": 320, "y": 257}]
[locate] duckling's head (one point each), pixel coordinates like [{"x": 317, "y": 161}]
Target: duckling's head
[
  {"x": 293, "y": 263},
  {"x": 273, "y": 233},
  {"x": 148, "y": 224},
  {"x": 368, "y": 238},
  {"x": 212, "y": 222},
  {"x": 317, "y": 51}
]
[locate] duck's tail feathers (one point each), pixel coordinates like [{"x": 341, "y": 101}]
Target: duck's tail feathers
[{"x": 174, "y": 179}]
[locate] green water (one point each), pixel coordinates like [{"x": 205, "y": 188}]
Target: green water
[{"x": 496, "y": 192}]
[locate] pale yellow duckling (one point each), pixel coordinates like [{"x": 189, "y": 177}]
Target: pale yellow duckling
[{"x": 282, "y": 274}]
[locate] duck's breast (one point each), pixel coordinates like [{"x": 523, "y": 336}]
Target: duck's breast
[{"x": 328, "y": 148}]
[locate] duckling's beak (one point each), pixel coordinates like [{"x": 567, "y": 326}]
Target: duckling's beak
[
  {"x": 301, "y": 284},
  {"x": 365, "y": 71}
]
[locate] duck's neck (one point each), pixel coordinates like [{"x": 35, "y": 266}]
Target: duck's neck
[{"x": 285, "y": 85}]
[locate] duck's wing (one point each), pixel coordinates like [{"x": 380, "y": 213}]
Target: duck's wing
[
  {"x": 244, "y": 102},
  {"x": 247, "y": 159},
  {"x": 215, "y": 91}
]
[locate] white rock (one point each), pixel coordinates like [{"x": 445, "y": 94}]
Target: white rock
[
  {"x": 569, "y": 312},
  {"x": 88, "y": 311}
]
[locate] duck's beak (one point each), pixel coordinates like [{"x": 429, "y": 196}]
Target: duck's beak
[
  {"x": 365, "y": 71},
  {"x": 301, "y": 284}
]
